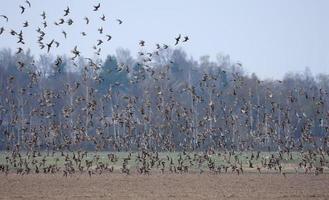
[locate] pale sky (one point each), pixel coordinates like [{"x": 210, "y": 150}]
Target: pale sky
[{"x": 269, "y": 37}]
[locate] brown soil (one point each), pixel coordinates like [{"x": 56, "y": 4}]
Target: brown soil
[{"x": 154, "y": 187}]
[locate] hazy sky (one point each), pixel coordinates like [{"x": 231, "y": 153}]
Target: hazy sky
[{"x": 269, "y": 37}]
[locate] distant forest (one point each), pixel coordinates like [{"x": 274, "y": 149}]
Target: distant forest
[{"x": 174, "y": 103}]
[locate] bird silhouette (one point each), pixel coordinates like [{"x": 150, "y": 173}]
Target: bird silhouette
[
  {"x": 103, "y": 18},
  {"x": 186, "y": 38},
  {"x": 2, "y": 29},
  {"x": 142, "y": 43},
  {"x": 97, "y": 7},
  {"x": 5, "y": 17},
  {"x": 26, "y": 24},
  {"x": 43, "y": 15},
  {"x": 49, "y": 45},
  {"x": 119, "y": 21},
  {"x": 28, "y": 3},
  {"x": 22, "y": 9},
  {"x": 109, "y": 37},
  {"x": 67, "y": 11},
  {"x": 65, "y": 34},
  {"x": 177, "y": 39},
  {"x": 87, "y": 20}
]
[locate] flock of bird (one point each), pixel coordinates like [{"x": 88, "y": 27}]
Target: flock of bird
[{"x": 36, "y": 151}]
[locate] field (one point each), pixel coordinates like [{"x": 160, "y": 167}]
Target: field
[
  {"x": 188, "y": 186},
  {"x": 270, "y": 184},
  {"x": 289, "y": 164}
]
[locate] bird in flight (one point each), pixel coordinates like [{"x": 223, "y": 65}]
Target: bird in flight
[
  {"x": 87, "y": 20},
  {"x": 103, "y": 18},
  {"x": 5, "y": 17},
  {"x": 108, "y": 37},
  {"x": 67, "y": 11},
  {"x": 26, "y": 24},
  {"x": 22, "y": 9},
  {"x": 65, "y": 34},
  {"x": 186, "y": 38},
  {"x": 19, "y": 50},
  {"x": 177, "y": 39},
  {"x": 2, "y": 30},
  {"x": 97, "y": 7},
  {"x": 100, "y": 30},
  {"x": 43, "y": 15},
  {"x": 28, "y": 3},
  {"x": 49, "y": 45},
  {"x": 142, "y": 43},
  {"x": 99, "y": 42},
  {"x": 119, "y": 21}
]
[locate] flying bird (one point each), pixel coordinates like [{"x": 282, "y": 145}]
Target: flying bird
[
  {"x": 97, "y": 7},
  {"x": 28, "y": 3},
  {"x": 87, "y": 20},
  {"x": 43, "y": 15},
  {"x": 119, "y": 21},
  {"x": 99, "y": 42},
  {"x": 26, "y": 24},
  {"x": 103, "y": 18},
  {"x": 19, "y": 50},
  {"x": 142, "y": 43},
  {"x": 2, "y": 30},
  {"x": 69, "y": 22},
  {"x": 108, "y": 37},
  {"x": 5, "y": 17},
  {"x": 177, "y": 39},
  {"x": 100, "y": 30},
  {"x": 49, "y": 45},
  {"x": 67, "y": 11},
  {"x": 22, "y": 9},
  {"x": 65, "y": 34},
  {"x": 186, "y": 38}
]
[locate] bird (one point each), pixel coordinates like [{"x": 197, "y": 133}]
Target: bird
[
  {"x": 49, "y": 45},
  {"x": 142, "y": 43},
  {"x": 28, "y": 3},
  {"x": 2, "y": 29},
  {"x": 186, "y": 38},
  {"x": 97, "y": 7},
  {"x": 5, "y": 17},
  {"x": 69, "y": 22},
  {"x": 100, "y": 30},
  {"x": 65, "y": 34},
  {"x": 103, "y": 18},
  {"x": 22, "y": 9},
  {"x": 43, "y": 15},
  {"x": 57, "y": 44},
  {"x": 119, "y": 21},
  {"x": 67, "y": 11},
  {"x": 109, "y": 37},
  {"x": 19, "y": 50},
  {"x": 76, "y": 52},
  {"x": 87, "y": 20},
  {"x": 26, "y": 24},
  {"x": 99, "y": 42},
  {"x": 177, "y": 39}
]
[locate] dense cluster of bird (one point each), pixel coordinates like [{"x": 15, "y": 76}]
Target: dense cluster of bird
[{"x": 134, "y": 121}]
